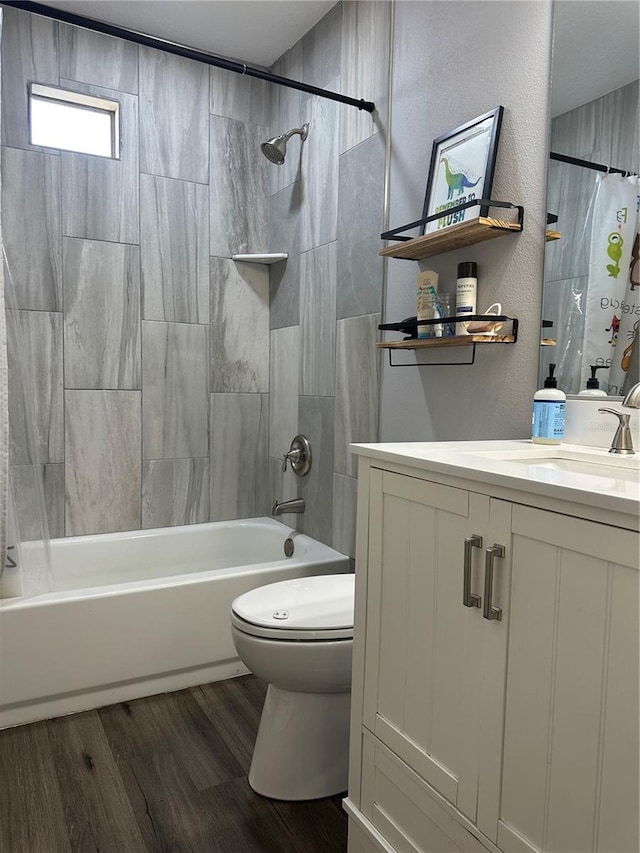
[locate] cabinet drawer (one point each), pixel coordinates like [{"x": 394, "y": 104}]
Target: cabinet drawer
[{"x": 405, "y": 810}]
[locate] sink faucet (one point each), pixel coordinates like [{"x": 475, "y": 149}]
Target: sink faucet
[
  {"x": 296, "y": 505},
  {"x": 623, "y": 440}
]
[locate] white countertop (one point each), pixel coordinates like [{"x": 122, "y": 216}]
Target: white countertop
[{"x": 583, "y": 475}]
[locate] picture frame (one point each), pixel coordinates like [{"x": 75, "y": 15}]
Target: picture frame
[{"x": 461, "y": 170}]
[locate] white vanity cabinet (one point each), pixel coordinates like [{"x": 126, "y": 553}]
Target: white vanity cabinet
[{"x": 512, "y": 725}]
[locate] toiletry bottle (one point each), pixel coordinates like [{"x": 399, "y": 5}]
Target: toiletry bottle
[
  {"x": 547, "y": 423},
  {"x": 593, "y": 388},
  {"x": 466, "y": 291},
  {"x": 427, "y": 288}
]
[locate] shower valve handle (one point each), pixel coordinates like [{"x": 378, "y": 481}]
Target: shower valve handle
[
  {"x": 292, "y": 456},
  {"x": 299, "y": 455}
]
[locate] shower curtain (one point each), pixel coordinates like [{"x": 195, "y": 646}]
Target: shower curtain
[
  {"x": 612, "y": 313},
  {"x": 4, "y": 404},
  {"x": 25, "y": 554}
]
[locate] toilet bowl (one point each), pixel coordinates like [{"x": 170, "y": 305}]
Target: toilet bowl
[{"x": 297, "y": 635}]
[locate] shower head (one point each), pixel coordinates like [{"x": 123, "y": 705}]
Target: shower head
[{"x": 275, "y": 149}]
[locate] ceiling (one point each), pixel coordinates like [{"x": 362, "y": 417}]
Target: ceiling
[
  {"x": 253, "y": 31},
  {"x": 595, "y": 50},
  {"x": 595, "y": 41}
]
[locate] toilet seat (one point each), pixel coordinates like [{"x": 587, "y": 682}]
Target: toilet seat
[{"x": 313, "y": 608}]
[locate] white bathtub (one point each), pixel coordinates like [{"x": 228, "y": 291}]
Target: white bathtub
[{"x": 138, "y": 613}]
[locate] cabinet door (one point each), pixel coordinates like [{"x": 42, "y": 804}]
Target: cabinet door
[
  {"x": 434, "y": 670},
  {"x": 570, "y": 765}
]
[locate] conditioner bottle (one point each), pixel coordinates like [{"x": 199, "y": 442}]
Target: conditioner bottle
[{"x": 547, "y": 424}]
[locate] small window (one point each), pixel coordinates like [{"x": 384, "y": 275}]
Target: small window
[{"x": 73, "y": 121}]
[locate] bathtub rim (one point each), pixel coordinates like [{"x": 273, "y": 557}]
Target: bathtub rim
[{"x": 325, "y": 554}]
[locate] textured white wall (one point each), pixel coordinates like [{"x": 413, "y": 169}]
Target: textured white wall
[{"x": 454, "y": 61}]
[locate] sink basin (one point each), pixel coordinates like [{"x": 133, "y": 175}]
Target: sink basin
[
  {"x": 550, "y": 463},
  {"x": 534, "y": 455},
  {"x": 575, "y": 466}
]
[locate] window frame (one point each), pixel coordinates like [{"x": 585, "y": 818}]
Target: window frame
[{"x": 91, "y": 103}]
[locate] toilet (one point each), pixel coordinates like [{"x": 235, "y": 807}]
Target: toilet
[{"x": 297, "y": 635}]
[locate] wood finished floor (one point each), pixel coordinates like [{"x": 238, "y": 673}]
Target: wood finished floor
[{"x": 166, "y": 773}]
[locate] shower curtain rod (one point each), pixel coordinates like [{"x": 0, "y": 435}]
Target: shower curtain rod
[
  {"x": 587, "y": 164},
  {"x": 182, "y": 50}
]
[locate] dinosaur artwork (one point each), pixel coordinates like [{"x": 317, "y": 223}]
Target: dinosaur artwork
[
  {"x": 456, "y": 181},
  {"x": 614, "y": 250}
]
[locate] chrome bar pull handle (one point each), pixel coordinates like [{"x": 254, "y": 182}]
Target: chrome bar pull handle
[
  {"x": 491, "y": 612},
  {"x": 470, "y": 599}
]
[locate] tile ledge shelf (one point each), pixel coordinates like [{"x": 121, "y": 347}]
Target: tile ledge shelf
[{"x": 266, "y": 258}]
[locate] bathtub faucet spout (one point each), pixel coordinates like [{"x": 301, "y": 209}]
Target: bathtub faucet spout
[{"x": 296, "y": 505}]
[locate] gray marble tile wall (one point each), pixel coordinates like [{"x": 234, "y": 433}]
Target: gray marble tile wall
[
  {"x": 100, "y": 199},
  {"x": 34, "y": 350},
  {"x": 31, "y": 228},
  {"x": 318, "y": 286},
  {"x": 239, "y": 458},
  {"x": 102, "y": 461},
  {"x": 101, "y": 315},
  {"x": 174, "y": 116},
  {"x": 284, "y": 277},
  {"x": 239, "y": 327},
  {"x": 174, "y": 250},
  {"x": 238, "y": 191},
  {"x": 174, "y": 491},
  {"x": 357, "y": 382},
  {"x": 360, "y": 212},
  {"x": 366, "y": 36},
  {"x": 285, "y": 113},
  {"x": 316, "y": 419},
  {"x": 174, "y": 380},
  {"x": 114, "y": 272},
  {"x": 319, "y": 173},
  {"x": 283, "y": 386},
  {"x": 26, "y": 481},
  {"x": 185, "y": 374},
  {"x": 98, "y": 59},
  {"x": 327, "y": 212},
  {"x": 29, "y": 53}
]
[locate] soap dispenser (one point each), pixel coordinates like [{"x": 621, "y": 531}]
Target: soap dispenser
[
  {"x": 547, "y": 423},
  {"x": 593, "y": 386}
]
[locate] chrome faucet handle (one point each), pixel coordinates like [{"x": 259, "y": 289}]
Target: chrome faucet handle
[
  {"x": 622, "y": 440},
  {"x": 299, "y": 455},
  {"x": 292, "y": 456}
]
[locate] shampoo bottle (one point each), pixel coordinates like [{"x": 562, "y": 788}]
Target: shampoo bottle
[
  {"x": 547, "y": 423},
  {"x": 466, "y": 292},
  {"x": 593, "y": 388}
]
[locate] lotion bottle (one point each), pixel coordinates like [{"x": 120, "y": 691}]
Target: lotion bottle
[
  {"x": 593, "y": 388},
  {"x": 466, "y": 292},
  {"x": 427, "y": 289},
  {"x": 547, "y": 423}
]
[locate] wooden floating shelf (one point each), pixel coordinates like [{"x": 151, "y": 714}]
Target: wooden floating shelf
[
  {"x": 454, "y": 237},
  {"x": 455, "y": 341},
  {"x": 552, "y": 235},
  {"x": 548, "y": 342}
]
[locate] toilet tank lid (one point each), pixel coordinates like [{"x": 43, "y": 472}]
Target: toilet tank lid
[{"x": 319, "y": 602}]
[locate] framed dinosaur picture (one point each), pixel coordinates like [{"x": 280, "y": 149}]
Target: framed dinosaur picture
[{"x": 461, "y": 170}]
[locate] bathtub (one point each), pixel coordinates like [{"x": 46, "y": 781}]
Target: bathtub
[{"x": 143, "y": 612}]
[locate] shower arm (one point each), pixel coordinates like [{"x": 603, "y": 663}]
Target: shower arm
[
  {"x": 182, "y": 50},
  {"x": 303, "y": 131}
]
